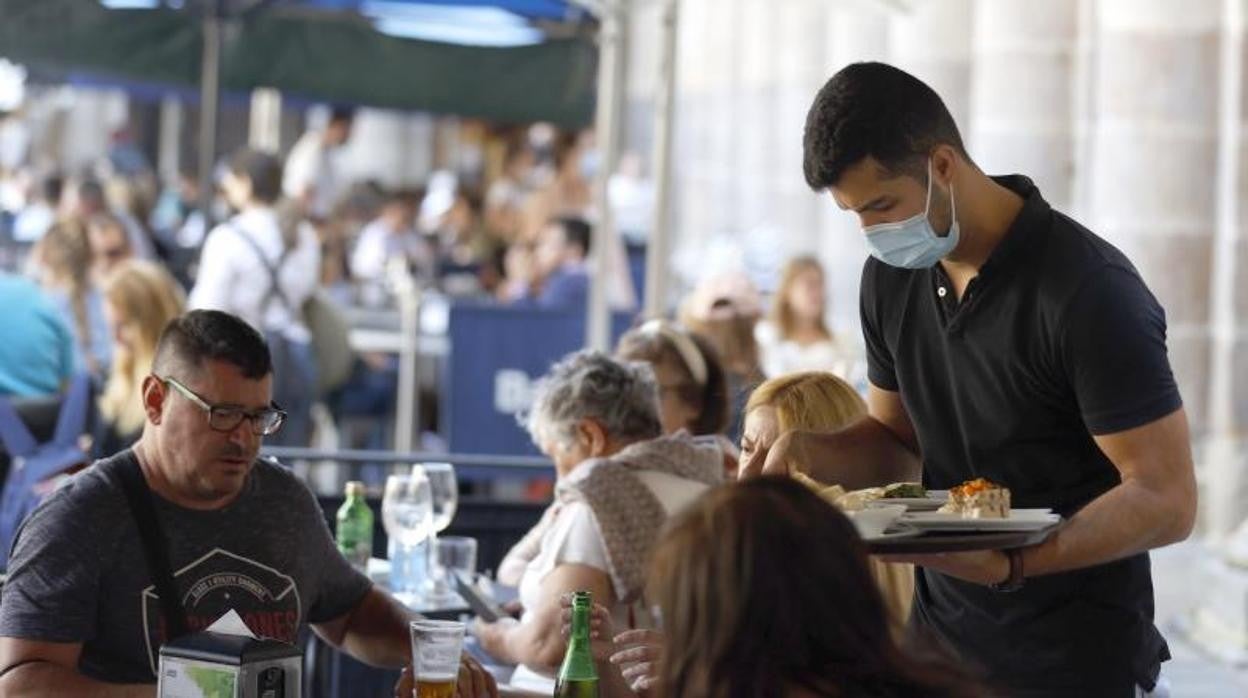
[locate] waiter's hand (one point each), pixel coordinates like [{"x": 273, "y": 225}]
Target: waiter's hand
[
  {"x": 786, "y": 455},
  {"x": 979, "y": 567}
]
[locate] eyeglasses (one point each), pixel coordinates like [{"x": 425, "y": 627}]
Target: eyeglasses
[{"x": 221, "y": 418}]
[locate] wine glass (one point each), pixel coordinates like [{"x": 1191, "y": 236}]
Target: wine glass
[
  {"x": 445, "y": 491},
  {"x": 407, "y": 511}
]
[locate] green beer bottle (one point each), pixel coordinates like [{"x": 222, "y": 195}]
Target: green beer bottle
[
  {"x": 355, "y": 527},
  {"x": 578, "y": 678}
]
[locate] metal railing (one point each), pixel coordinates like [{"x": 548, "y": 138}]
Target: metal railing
[{"x": 315, "y": 456}]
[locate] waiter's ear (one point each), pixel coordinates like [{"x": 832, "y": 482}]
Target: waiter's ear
[
  {"x": 154, "y": 393},
  {"x": 945, "y": 159}
]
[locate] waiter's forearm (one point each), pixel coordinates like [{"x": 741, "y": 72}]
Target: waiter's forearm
[
  {"x": 864, "y": 454},
  {"x": 1154, "y": 506},
  {"x": 1125, "y": 521}
]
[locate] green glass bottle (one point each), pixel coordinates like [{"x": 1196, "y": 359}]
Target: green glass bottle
[
  {"x": 355, "y": 527},
  {"x": 578, "y": 677}
]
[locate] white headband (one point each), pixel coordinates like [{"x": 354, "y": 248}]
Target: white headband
[{"x": 689, "y": 352}]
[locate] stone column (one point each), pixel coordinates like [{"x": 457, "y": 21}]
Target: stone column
[
  {"x": 265, "y": 124},
  {"x": 852, "y": 35},
  {"x": 933, "y": 42},
  {"x": 1224, "y": 459},
  {"x": 392, "y": 147},
  {"x": 1022, "y": 92},
  {"x": 1154, "y": 162}
]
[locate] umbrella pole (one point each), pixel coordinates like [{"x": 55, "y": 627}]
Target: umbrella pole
[
  {"x": 658, "y": 247},
  {"x": 610, "y": 94},
  {"x": 209, "y": 104}
]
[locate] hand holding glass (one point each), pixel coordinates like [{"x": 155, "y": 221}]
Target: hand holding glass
[{"x": 436, "y": 648}]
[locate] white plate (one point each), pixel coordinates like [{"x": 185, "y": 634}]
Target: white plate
[
  {"x": 934, "y": 500},
  {"x": 1019, "y": 520},
  {"x": 896, "y": 532}
]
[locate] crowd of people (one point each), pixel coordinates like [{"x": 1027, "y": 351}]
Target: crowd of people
[{"x": 291, "y": 232}]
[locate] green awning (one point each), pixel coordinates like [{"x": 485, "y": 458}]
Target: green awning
[{"x": 334, "y": 57}]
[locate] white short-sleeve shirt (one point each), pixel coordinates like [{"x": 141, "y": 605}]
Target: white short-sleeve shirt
[{"x": 232, "y": 277}]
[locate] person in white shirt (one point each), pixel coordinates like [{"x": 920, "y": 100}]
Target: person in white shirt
[
  {"x": 240, "y": 260},
  {"x": 311, "y": 178},
  {"x": 392, "y": 235},
  {"x": 795, "y": 337}
]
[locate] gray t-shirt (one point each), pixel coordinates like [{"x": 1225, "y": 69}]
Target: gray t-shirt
[{"x": 78, "y": 573}]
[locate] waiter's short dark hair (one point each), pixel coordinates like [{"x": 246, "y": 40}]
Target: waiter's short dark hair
[
  {"x": 874, "y": 110},
  {"x": 203, "y": 335}
]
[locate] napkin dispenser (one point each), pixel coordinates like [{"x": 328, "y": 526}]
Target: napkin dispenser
[{"x": 206, "y": 664}]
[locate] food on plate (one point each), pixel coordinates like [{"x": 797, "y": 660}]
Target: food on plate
[
  {"x": 858, "y": 500},
  {"x": 978, "y": 499},
  {"x": 905, "y": 490},
  {"x": 831, "y": 494}
]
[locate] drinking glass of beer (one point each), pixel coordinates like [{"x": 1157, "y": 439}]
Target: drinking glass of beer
[{"x": 436, "y": 645}]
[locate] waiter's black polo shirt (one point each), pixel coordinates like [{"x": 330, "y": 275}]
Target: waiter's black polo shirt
[{"x": 1058, "y": 339}]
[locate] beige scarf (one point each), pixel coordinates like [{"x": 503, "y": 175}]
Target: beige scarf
[{"x": 627, "y": 514}]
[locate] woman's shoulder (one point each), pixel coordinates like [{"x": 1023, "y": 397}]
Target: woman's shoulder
[{"x": 572, "y": 538}]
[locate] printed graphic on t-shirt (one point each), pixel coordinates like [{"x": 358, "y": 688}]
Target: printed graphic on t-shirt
[{"x": 266, "y": 600}]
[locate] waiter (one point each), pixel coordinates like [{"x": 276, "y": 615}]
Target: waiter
[{"x": 1005, "y": 341}]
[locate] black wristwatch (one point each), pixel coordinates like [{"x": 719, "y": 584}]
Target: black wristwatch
[{"x": 1016, "y": 579}]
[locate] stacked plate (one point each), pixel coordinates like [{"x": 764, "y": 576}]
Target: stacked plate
[{"x": 1018, "y": 520}]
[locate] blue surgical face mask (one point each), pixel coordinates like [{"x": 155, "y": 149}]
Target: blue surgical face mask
[{"x": 912, "y": 243}]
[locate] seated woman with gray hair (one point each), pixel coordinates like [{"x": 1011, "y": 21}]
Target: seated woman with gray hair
[{"x": 617, "y": 481}]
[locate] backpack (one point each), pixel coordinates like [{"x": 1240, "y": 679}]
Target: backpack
[{"x": 326, "y": 324}]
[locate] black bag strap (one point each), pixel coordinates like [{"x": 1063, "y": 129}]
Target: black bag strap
[
  {"x": 275, "y": 286},
  {"x": 155, "y": 549}
]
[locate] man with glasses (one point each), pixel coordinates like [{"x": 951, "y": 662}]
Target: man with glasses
[{"x": 80, "y": 615}]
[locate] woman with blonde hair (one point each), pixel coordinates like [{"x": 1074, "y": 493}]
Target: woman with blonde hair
[
  {"x": 62, "y": 265},
  {"x": 140, "y": 298},
  {"x": 820, "y": 401},
  {"x": 795, "y": 335}
]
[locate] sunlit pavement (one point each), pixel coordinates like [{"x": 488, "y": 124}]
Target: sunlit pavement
[{"x": 1193, "y": 673}]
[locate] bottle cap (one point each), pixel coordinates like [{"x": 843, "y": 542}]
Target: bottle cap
[{"x": 355, "y": 488}]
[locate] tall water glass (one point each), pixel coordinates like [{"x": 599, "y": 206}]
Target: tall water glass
[{"x": 407, "y": 514}]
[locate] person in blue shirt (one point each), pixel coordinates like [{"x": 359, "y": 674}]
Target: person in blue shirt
[
  {"x": 37, "y": 356},
  {"x": 561, "y": 260}
]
